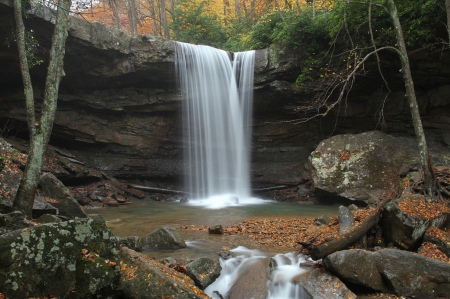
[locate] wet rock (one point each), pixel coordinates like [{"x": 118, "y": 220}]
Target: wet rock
[
  {"x": 184, "y": 199},
  {"x": 132, "y": 242},
  {"x": 154, "y": 279},
  {"x": 76, "y": 257},
  {"x": 164, "y": 237},
  {"x": 405, "y": 228},
  {"x": 364, "y": 166},
  {"x": 225, "y": 254},
  {"x": 346, "y": 220},
  {"x": 318, "y": 284},
  {"x": 84, "y": 201},
  {"x": 395, "y": 271},
  {"x": 252, "y": 282},
  {"x": 353, "y": 208},
  {"x": 47, "y": 218},
  {"x": 216, "y": 230},
  {"x": 120, "y": 198},
  {"x": 52, "y": 188},
  {"x": 324, "y": 219},
  {"x": 13, "y": 221},
  {"x": 203, "y": 271},
  {"x": 109, "y": 202}
]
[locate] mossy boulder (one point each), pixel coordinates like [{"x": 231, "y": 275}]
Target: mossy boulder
[
  {"x": 165, "y": 237},
  {"x": 72, "y": 259},
  {"x": 363, "y": 167},
  {"x": 143, "y": 277}
]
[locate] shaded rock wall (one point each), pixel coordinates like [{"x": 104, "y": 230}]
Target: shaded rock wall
[{"x": 119, "y": 109}]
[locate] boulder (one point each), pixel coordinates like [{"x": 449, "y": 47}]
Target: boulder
[
  {"x": 143, "y": 277},
  {"x": 76, "y": 257},
  {"x": 132, "y": 242},
  {"x": 440, "y": 238},
  {"x": 346, "y": 220},
  {"x": 323, "y": 220},
  {"x": 107, "y": 201},
  {"x": 203, "y": 271},
  {"x": 47, "y": 218},
  {"x": 63, "y": 200},
  {"x": 13, "y": 221},
  {"x": 252, "y": 282},
  {"x": 216, "y": 229},
  {"x": 364, "y": 166},
  {"x": 42, "y": 206},
  {"x": 395, "y": 271},
  {"x": 318, "y": 284},
  {"x": 406, "y": 219},
  {"x": 165, "y": 237}
]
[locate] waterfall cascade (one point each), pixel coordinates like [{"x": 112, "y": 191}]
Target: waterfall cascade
[
  {"x": 280, "y": 284},
  {"x": 217, "y": 87}
]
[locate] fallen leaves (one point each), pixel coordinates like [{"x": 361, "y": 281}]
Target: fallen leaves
[
  {"x": 432, "y": 251},
  {"x": 417, "y": 206}
]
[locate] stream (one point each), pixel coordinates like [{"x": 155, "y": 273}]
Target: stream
[{"x": 142, "y": 218}]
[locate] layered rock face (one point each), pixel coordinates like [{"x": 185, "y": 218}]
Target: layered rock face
[{"x": 119, "y": 109}]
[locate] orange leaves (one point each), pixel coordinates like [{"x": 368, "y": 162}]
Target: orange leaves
[
  {"x": 110, "y": 264},
  {"x": 431, "y": 250},
  {"x": 89, "y": 256},
  {"x": 417, "y": 206},
  {"x": 51, "y": 200}
]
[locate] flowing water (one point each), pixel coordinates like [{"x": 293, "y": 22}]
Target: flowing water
[{"x": 217, "y": 89}]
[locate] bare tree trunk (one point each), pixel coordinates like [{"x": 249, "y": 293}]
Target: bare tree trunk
[
  {"x": 447, "y": 6},
  {"x": 425, "y": 159},
  {"x": 39, "y": 132},
  {"x": 279, "y": 11},
  {"x": 113, "y": 6},
  {"x": 252, "y": 7},
  {"x": 164, "y": 19},
  {"x": 238, "y": 10},
  {"x": 132, "y": 17},
  {"x": 225, "y": 4}
]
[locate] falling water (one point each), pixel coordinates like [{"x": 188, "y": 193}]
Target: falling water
[{"x": 217, "y": 87}]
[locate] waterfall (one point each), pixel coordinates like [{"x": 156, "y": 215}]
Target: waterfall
[{"x": 217, "y": 90}]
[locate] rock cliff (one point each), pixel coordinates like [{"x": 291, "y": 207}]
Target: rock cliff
[{"x": 119, "y": 110}]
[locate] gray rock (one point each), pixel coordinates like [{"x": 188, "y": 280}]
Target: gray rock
[
  {"x": 441, "y": 240},
  {"x": 322, "y": 285},
  {"x": 353, "y": 208},
  {"x": 132, "y": 242},
  {"x": 54, "y": 189},
  {"x": 203, "y": 271},
  {"x": 346, "y": 220},
  {"x": 155, "y": 280},
  {"x": 47, "y": 218},
  {"x": 76, "y": 257},
  {"x": 395, "y": 271},
  {"x": 42, "y": 207},
  {"x": 216, "y": 229},
  {"x": 164, "y": 237},
  {"x": 252, "y": 282},
  {"x": 364, "y": 166},
  {"x": 403, "y": 229},
  {"x": 13, "y": 221},
  {"x": 324, "y": 219}
]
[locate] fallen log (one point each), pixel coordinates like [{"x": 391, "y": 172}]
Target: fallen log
[
  {"x": 157, "y": 190},
  {"x": 270, "y": 188},
  {"x": 350, "y": 237}
]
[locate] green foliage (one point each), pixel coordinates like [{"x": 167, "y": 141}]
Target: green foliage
[
  {"x": 193, "y": 24},
  {"x": 422, "y": 22},
  {"x": 31, "y": 44}
]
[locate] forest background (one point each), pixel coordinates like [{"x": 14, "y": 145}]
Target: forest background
[{"x": 316, "y": 29}]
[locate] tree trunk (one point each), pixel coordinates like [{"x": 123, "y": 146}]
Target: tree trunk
[
  {"x": 279, "y": 11},
  {"x": 430, "y": 181},
  {"x": 40, "y": 131},
  {"x": 164, "y": 19},
  {"x": 225, "y": 4},
  {"x": 113, "y": 5},
  {"x": 447, "y": 6},
  {"x": 238, "y": 10},
  {"x": 132, "y": 17}
]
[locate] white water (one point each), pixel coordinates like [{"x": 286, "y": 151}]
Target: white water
[
  {"x": 280, "y": 286},
  {"x": 217, "y": 107}
]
